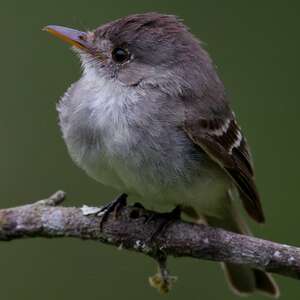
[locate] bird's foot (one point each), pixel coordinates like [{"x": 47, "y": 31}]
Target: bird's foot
[
  {"x": 167, "y": 220},
  {"x": 113, "y": 207},
  {"x": 137, "y": 210}
]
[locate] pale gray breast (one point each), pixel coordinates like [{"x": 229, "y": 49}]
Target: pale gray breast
[{"x": 123, "y": 138}]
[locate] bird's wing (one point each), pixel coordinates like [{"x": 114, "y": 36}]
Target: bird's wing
[{"x": 222, "y": 139}]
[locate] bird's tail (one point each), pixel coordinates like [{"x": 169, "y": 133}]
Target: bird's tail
[{"x": 243, "y": 279}]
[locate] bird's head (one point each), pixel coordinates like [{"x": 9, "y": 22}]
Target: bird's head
[{"x": 148, "y": 48}]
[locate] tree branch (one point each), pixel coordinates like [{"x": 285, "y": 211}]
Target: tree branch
[{"x": 130, "y": 231}]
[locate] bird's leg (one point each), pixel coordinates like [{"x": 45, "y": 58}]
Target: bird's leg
[
  {"x": 115, "y": 206},
  {"x": 167, "y": 220}
]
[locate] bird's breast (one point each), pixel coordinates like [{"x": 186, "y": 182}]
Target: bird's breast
[{"x": 131, "y": 144}]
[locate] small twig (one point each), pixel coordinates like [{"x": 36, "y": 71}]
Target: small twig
[
  {"x": 162, "y": 280},
  {"x": 54, "y": 200},
  {"x": 45, "y": 219}
]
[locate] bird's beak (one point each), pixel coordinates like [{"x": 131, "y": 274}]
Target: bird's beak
[{"x": 76, "y": 38}]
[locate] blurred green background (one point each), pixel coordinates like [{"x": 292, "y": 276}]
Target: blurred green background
[{"x": 256, "y": 46}]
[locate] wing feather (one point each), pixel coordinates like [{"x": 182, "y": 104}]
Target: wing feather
[{"x": 223, "y": 141}]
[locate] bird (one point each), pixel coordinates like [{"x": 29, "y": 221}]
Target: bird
[{"x": 150, "y": 117}]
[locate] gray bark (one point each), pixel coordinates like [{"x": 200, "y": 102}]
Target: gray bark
[{"x": 130, "y": 231}]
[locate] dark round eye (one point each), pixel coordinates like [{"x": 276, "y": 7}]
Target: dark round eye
[{"x": 120, "y": 55}]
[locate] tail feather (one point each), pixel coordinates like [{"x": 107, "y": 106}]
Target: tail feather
[
  {"x": 266, "y": 284},
  {"x": 241, "y": 278}
]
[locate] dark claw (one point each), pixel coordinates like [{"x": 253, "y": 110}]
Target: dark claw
[
  {"x": 115, "y": 206},
  {"x": 169, "y": 218}
]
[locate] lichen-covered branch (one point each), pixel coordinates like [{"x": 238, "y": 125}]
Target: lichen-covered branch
[{"x": 129, "y": 230}]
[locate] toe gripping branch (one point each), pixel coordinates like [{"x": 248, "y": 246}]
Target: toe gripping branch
[
  {"x": 165, "y": 222},
  {"x": 113, "y": 207}
]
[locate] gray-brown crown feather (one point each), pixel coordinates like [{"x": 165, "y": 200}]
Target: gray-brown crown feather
[
  {"x": 153, "y": 38},
  {"x": 136, "y": 26}
]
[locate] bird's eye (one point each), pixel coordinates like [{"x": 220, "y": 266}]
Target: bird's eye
[{"x": 120, "y": 55}]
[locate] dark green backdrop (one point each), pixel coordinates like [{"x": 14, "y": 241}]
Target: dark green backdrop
[{"x": 256, "y": 47}]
